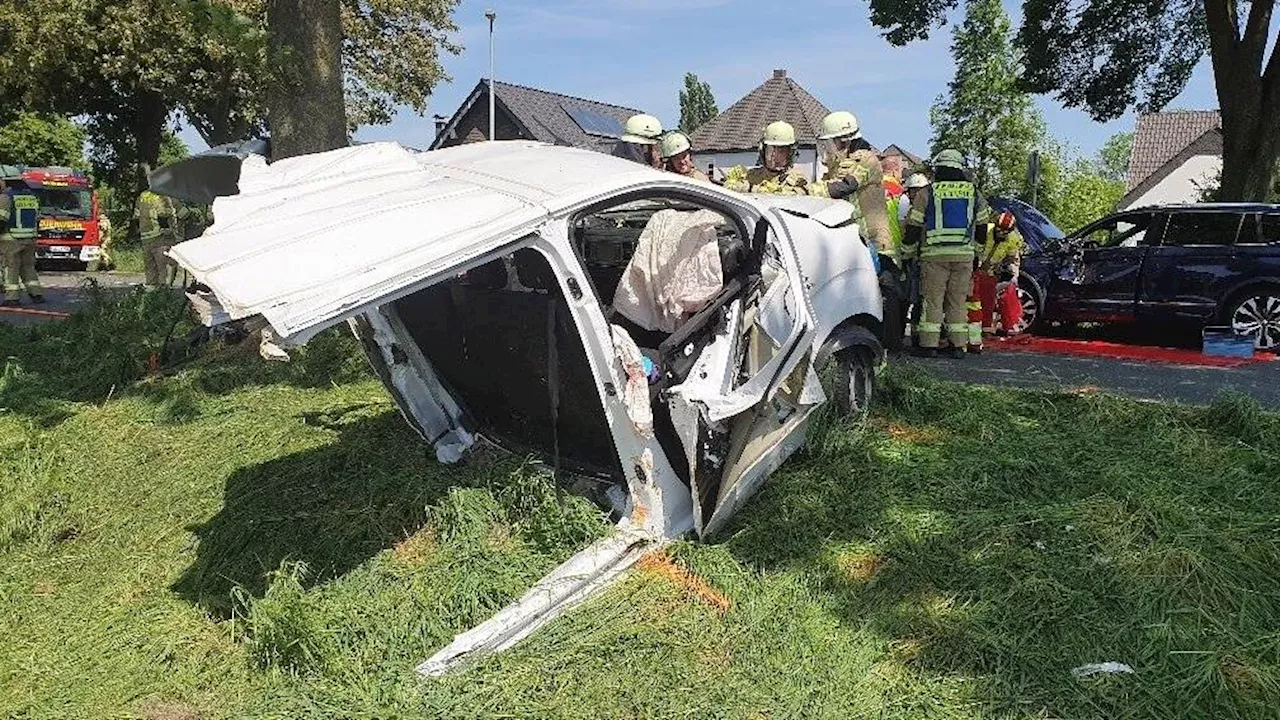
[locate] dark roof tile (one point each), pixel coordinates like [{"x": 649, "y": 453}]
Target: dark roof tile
[
  {"x": 543, "y": 114},
  {"x": 779, "y": 98}
]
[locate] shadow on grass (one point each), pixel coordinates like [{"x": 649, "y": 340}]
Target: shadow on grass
[
  {"x": 996, "y": 540},
  {"x": 331, "y": 507}
]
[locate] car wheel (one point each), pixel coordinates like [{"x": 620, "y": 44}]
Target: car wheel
[
  {"x": 1257, "y": 315},
  {"x": 854, "y": 382}
]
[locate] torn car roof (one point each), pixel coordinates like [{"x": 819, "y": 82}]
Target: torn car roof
[{"x": 310, "y": 239}]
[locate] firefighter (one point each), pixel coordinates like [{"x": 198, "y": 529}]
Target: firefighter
[
  {"x": 775, "y": 172},
  {"x": 940, "y": 228},
  {"x": 106, "y": 260},
  {"x": 999, "y": 250},
  {"x": 639, "y": 141},
  {"x": 850, "y": 158},
  {"x": 19, "y": 223},
  {"x": 677, "y": 156},
  {"x": 158, "y": 226},
  {"x": 915, "y": 187}
]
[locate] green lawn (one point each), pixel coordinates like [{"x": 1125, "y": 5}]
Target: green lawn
[{"x": 236, "y": 539}]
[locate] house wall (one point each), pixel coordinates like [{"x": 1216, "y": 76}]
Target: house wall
[
  {"x": 1180, "y": 185},
  {"x": 806, "y": 161},
  {"x": 474, "y": 126}
]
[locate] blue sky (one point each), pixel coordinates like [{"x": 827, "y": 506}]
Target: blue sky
[{"x": 636, "y": 52}]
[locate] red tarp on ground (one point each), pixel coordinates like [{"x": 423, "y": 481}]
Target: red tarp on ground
[{"x": 1139, "y": 353}]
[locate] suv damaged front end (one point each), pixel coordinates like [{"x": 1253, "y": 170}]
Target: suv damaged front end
[{"x": 487, "y": 302}]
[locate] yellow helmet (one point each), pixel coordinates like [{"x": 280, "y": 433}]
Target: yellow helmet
[
  {"x": 917, "y": 180},
  {"x": 839, "y": 124},
  {"x": 674, "y": 143},
  {"x": 949, "y": 159},
  {"x": 642, "y": 129},
  {"x": 779, "y": 133}
]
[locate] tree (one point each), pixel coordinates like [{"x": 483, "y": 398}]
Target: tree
[
  {"x": 137, "y": 64},
  {"x": 1087, "y": 195},
  {"x": 1106, "y": 57},
  {"x": 984, "y": 113},
  {"x": 41, "y": 140},
  {"x": 697, "y": 104},
  {"x": 1113, "y": 158},
  {"x": 304, "y": 99}
]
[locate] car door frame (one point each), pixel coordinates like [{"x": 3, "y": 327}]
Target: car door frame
[
  {"x": 1166, "y": 259},
  {"x": 702, "y": 410}
]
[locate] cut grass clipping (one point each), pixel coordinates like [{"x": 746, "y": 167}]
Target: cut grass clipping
[{"x": 227, "y": 538}]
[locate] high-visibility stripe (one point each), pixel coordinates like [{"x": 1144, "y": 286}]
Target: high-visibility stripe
[{"x": 928, "y": 327}]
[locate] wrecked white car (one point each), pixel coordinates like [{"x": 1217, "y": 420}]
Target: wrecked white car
[{"x": 657, "y": 335}]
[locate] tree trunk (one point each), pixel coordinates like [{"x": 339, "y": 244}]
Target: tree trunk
[
  {"x": 1248, "y": 98},
  {"x": 305, "y": 110},
  {"x": 149, "y": 131}
]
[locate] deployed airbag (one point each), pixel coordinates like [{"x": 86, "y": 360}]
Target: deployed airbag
[{"x": 675, "y": 271}]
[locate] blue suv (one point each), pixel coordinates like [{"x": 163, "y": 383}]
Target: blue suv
[{"x": 1210, "y": 264}]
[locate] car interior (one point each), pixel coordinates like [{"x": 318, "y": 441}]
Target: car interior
[{"x": 502, "y": 341}]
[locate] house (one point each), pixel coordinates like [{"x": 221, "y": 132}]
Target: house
[
  {"x": 532, "y": 114},
  {"x": 733, "y": 137},
  {"x": 898, "y": 161},
  {"x": 1174, "y": 155}
]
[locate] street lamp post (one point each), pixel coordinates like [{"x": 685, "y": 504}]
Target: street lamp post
[{"x": 492, "y": 16}]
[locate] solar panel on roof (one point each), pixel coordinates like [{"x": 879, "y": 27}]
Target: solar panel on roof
[{"x": 594, "y": 123}]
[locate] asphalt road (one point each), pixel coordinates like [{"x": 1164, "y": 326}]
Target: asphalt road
[
  {"x": 1147, "y": 380},
  {"x": 63, "y": 293}
]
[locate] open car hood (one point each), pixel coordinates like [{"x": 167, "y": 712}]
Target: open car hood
[{"x": 314, "y": 239}]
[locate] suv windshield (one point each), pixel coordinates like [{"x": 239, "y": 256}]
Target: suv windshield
[{"x": 61, "y": 202}]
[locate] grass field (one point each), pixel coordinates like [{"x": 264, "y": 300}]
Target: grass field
[{"x": 228, "y": 538}]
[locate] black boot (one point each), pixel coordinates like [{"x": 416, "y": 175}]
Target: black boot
[
  {"x": 924, "y": 352},
  {"x": 955, "y": 353},
  {"x": 38, "y": 299}
]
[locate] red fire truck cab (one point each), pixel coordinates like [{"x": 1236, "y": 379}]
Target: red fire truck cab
[{"x": 69, "y": 212}]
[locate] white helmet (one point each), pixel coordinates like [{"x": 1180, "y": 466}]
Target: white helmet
[
  {"x": 840, "y": 124},
  {"x": 918, "y": 180},
  {"x": 642, "y": 130},
  {"x": 674, "y": 143}
]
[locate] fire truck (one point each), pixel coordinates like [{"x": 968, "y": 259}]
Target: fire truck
[{"x": 69, "y": 212}]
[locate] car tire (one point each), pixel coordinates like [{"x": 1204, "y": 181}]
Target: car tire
[
  {"x": 1256, "y": 312},
  {"x": 853, "y": 382}
]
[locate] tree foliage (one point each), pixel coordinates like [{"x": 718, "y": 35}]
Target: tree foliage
[
  {"x": 1074, "y": 191},
  {"x": 41, "y": 140},
  {"x": 1113, "y": 158},
  {"x": 133, "y": 68},
  {"x": 984, "y": 113},
  {"x": 697, "y": 104},
  {"x": 1107, "y": 56}
]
